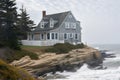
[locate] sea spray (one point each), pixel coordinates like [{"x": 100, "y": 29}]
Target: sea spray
[{"x": 87, "y": 74}]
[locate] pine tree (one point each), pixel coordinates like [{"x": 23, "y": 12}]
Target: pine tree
[
  {"x": 24, "y": 23},
  {"x": 8, "y": 17}
]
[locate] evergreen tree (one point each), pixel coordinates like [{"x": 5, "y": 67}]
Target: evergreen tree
[
  {"x": 24, "y": 23},
  {"x": 8, "y": 17}
]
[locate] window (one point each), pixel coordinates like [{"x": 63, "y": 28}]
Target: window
[
  {"x": 52, "y": 35},
  {"x": 76, "y": 36},
  {"x": 74, "y": 25},
  {"x": 42, "y": 36},
  {"x": 56, "y": 36},
  {"x": 67, "y": 25},
  {"x": 70, "y": 25},
  {"x": 65, "y": 36},
  {"x": 48, "y": 35},
  {"x": 42, "y": 25},
  {"x": 51, "y": 23}
]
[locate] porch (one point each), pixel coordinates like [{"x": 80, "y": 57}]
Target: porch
[
  {"x": 43, "y": 36},
  {"x": 41, "y": 43}
]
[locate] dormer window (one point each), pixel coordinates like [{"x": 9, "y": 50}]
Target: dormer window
[
  {"x": 42, "y": 25},
  {"x": 51, "y": 23}
]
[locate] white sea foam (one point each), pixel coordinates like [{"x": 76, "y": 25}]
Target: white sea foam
[
  {"x": 110, "y": 52},
  {"x": 86, "y": 74}
]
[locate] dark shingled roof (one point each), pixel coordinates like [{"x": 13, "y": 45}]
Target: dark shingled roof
[{"x": 59, "y": 17}]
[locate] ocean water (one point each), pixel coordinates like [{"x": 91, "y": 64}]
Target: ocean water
[{"x": 84, "y": 73}]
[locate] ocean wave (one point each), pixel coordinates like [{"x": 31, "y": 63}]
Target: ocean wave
[{"x": 84, "y": 73}]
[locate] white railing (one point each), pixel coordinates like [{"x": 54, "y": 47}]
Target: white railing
[{"x": 41, "y": 43}]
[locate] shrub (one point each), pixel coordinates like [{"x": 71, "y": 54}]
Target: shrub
[
  {"x": 60, "y": 48},
  {"x": 63, "y": 47},
  {"x": 50, "y": 50},
  {"x": 80, "y": 46},
  {"x": 1, "y": 44}
]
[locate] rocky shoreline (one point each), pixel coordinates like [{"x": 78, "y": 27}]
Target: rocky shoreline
[{"x": 52, "y": 62}]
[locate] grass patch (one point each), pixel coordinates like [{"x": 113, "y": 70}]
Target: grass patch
[
  {"x": 18, "y": 54},
  {"x": 8, "y": 72},
  {"x": 35, "y": 48},
  {"x": 9, "y": 55}
]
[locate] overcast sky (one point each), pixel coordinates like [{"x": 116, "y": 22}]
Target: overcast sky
[{"x": 100, "y": 19}]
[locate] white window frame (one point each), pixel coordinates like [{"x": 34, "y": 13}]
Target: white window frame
[
  {"x": 42, "y": 36},
  {"x": 67, "y": 25},
  {"x": 52, "y": 36},
  {"x": 75, "y": 36},
  {"x": 48, "y": 36},
  {"x": 56, "y": 35},
  {"x": 42, "y": 25},
  {"x": 66, "y": 36},
  {"x": 74, "y": 25},
  {"x": 51, "y": 24}
]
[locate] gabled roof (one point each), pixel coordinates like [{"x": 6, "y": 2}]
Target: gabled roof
[{"x": 59, "y": 17}]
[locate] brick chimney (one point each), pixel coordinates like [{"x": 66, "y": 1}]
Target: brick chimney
[{"x": 43, "y": 13}]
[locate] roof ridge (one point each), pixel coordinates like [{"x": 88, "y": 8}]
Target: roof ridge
[{"x": 58, "y": 13}]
